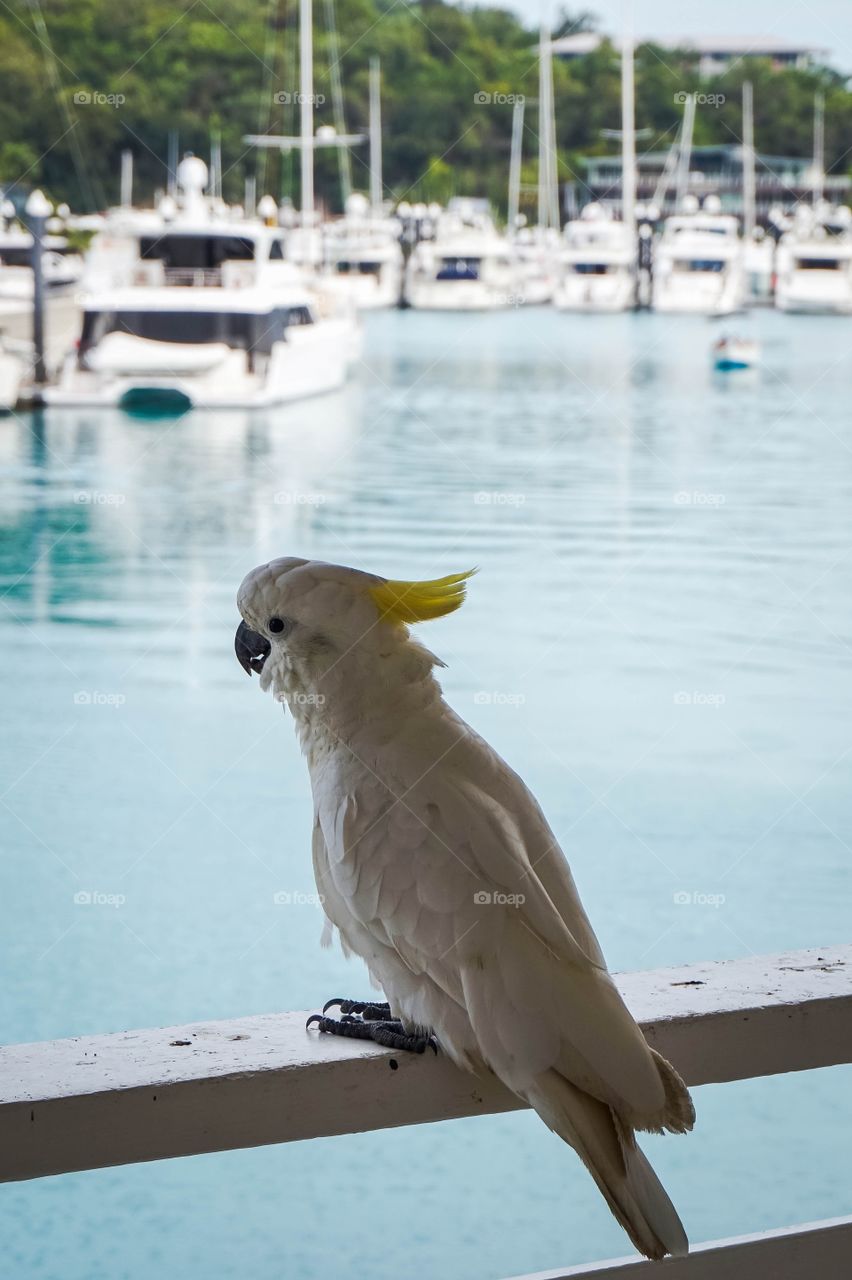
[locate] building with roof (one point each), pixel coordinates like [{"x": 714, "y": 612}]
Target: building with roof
[
  {"x": 713, "y": 170},
  {"x": 713, "y": 55}
]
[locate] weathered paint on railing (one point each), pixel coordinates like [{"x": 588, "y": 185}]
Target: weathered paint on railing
[
  {"x": 115, "y": 1099},
  {"x": 813, "y": 1251}
]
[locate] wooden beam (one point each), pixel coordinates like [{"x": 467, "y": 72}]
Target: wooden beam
[
  {"x": 814, "y": 1251},
  {"x": 95, "y": 1101}
]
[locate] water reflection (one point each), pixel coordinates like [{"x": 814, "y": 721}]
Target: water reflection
[{"x": 659, "y": 639}]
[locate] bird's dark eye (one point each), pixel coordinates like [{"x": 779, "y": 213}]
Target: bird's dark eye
[{"x": 277, "y": 624}]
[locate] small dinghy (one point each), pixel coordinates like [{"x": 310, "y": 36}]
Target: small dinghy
[{"x": 735, "y": 353}]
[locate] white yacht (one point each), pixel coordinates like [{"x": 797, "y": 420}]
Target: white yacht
[
  {"x": 194, "y": 306},
  {"x": 62, "y": 268},
  {"x": 466, "y": 266},
  {"x": 698, "y": 261},
  {"x": 759, "y": 268},
  {"x": 814, "y": 263},
  {"x": 536, "y": 250},
  {"x": 362, "y": 257},
  {"x": 597, "y": 265}
]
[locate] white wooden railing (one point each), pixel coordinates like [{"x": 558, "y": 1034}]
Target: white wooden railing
[{"x": 95, "y": 1101}]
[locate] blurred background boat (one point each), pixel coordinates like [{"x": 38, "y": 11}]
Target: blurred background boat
[{"x": 193, "y": 304}]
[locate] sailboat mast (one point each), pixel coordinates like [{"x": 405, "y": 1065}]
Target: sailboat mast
[
  {"x": 306, "y": 108},
  {"x": 628, "y": 130},
  {"x": 548, "y": 192},
  {"x": 376, "y": 191},
  {"x": 515, "y": 157},
  {"x": 126, "y": 198},
  {"x": 819, "y": 148},
  {"x": 685, "y": 150},
  {"x": 749, "y": 188}
]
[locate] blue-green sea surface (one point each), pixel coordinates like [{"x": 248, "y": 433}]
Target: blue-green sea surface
[{"x": 659, "y": 639}]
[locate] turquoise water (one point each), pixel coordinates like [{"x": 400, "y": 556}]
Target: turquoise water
[{"x": 660, "y": 639}]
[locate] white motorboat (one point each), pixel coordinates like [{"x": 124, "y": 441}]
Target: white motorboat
[
  {"x": 190, "y": 306},
  {"x": 698, "y": 262},
  {"x": 61, "y": 267},
  {"x": 814, "y": 263},
  {"x": 362, "y": 257},
  {"x": 597, "y": 266},
  {"x": 536, "y": 250},
  {"x": 61, "y": 327},
  {"x": 467, "y": 266},
  {"x": 759, "y": 268}
]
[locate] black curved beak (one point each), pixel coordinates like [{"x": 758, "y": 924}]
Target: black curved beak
[{"x": 251, "y": 649}]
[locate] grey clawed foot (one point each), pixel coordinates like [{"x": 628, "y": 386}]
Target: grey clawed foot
[
  {"x": 372, "y": 1010},
  {"x": 364, "y": 1021}
]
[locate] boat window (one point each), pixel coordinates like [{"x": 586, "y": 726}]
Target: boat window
[
  {"x": 591, "y": 268},
  {"x": 300, "y": 316},
  {"x": 346, "y": 267},
  {"x": 243, "y": 330},
  {"x": 818, "y": 264},
  {"x": 700, "y": 264},
  {"x": 16, "y": 257},
  {"x": 194, "y": 253},
  {"x": 276, "y": 251},
  {"x": 459, "y": 269}
]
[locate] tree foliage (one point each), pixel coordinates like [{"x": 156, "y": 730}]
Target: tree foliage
[{"x": 96, "y": 77}]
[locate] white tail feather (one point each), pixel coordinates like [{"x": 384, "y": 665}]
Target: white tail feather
[{"x": 632, "y": 1190}]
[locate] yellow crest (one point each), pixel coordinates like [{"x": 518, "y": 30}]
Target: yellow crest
[{"x": 400, "y": 601}]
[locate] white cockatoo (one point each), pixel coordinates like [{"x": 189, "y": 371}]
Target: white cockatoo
[{"x": 437, "y": 867}]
